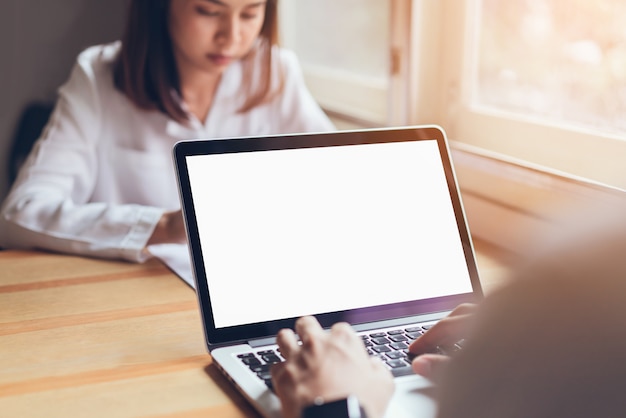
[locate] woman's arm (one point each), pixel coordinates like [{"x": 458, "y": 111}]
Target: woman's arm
[{"x": 50, "y": 207}]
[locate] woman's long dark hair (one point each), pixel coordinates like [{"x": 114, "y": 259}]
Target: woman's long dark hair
[{"x": 145, "y": 70}]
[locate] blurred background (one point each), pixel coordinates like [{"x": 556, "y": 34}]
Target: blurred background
[
  {"x": 39, "y": 42},
  {"x": 531, "y": 93}
]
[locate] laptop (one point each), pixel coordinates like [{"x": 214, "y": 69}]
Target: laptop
[{"x": 362, "y": 226}]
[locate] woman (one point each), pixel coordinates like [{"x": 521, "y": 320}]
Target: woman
[{"x": 100, "y": 180}]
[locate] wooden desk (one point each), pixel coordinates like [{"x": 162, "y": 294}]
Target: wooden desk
[{"x": 82, "y": 337}]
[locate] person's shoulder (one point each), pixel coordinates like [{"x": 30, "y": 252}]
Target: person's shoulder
[
  {"x": 92, "y": 71},
  {"x": 288, "y": 68},
  {"x": 286, "y": 58},
  {"x": 99, "y": 58}
]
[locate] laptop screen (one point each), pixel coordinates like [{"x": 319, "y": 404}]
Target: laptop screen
[{"x": 317, "y": 230}]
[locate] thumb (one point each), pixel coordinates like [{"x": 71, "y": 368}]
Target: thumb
[{"x": 431, "y": 366}]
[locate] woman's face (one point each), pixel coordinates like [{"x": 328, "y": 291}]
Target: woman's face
[{"x": 208, "y": 35}]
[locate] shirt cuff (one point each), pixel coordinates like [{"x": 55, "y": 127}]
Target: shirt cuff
[{"x": 134, "y": 245}]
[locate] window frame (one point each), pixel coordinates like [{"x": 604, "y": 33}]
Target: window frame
[
  {"x": 571, "y": 150},
  {"x": 430, "y": 68},
  {"x": 363, "y": 101}
]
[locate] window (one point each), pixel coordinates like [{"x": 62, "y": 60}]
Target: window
[
  {"x": 539, "y": 80},
  {"x": 562, "y": 61},
  {"x": 349, "y": 51}
]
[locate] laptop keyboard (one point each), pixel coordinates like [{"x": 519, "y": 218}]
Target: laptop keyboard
[{"x": 391, "y": 346}]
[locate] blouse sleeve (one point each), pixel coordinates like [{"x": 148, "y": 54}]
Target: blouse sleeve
[
  {"x": 49, "y": 205},
  {"x": 298, "y": 109}
]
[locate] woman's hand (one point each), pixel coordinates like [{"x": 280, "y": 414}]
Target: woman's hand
[
  {"x": 446, "y": 332},
  {"x": 329, "y": 366},
  {"x": 170, "y": 229}
]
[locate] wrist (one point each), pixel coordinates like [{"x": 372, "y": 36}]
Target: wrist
[
  {"x": 342, "y": 408},
  {"x": 159, "y": 232}
]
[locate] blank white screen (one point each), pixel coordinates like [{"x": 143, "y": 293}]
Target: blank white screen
[{"x": 307, "y": 231}]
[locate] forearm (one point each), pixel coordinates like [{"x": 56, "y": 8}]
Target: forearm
[{"x": 93, "y": 229}]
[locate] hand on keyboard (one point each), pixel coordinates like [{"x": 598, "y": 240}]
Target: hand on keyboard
[
  {"x": 431, "y": 351},
  {"x": 328, "y": 366}
]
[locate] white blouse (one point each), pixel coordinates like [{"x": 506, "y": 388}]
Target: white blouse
[{"x": 101, "y": 175}]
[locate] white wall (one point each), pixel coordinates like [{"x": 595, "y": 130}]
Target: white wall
[{"x": 39, "y": 40}]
